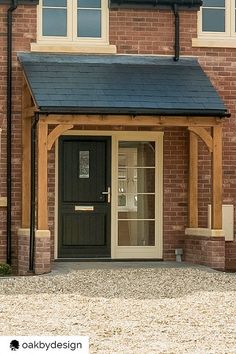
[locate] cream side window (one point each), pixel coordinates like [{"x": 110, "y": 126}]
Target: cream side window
[
  {"x": 216, "y": 24},
  {"x": 73, "y": 21}
]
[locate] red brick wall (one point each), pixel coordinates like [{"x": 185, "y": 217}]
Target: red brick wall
[
  {"x": 175, "y": 162},
  {"x": 24, "y": 29},
  {"x": 206, "y": 251},
  {"x": 134, "y": 32}
]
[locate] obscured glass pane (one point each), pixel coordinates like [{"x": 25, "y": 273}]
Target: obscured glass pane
[
  {"x": 54, "y": 22},
  {"x": 55, "y": 3},
  {"x": 89, "y": 23},
  {"x": 136, "y": 233},
  {"x": 213, "y": 20},
  {"x": 84, "y": 164},
  {"x": 89, "y": 3},
  {"x": 142, "y": 207},
  {"x": 214, "y": 3}
]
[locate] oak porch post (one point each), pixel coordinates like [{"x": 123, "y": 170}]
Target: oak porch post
[
  {"x": 216, "y": 216},
  {"x": 42, "y": 177},
  {"x": 193, "y": 181},
  {"x": 26, "y": 154}
]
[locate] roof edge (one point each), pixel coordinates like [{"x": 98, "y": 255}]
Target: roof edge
[{"x": 136, "y": 112}]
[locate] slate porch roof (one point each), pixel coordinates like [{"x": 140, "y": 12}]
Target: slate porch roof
[{"x": 120, "y": 84}]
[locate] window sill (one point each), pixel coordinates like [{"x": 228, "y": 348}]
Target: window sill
[
  {"x": 214, "y": 42},
  {"x": 73, "y": 48},
  {"x": 204, "y": 232}
]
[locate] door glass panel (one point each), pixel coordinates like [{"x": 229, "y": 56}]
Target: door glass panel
[
  {"x": 142, "y": 206},
  {"x": 136, "y": 233},
  {"x": 141, "y": 154},
  {"x": 136, "y": 193},
  {"x": 84, "y": 164},
  {"x": 133, "y": 180}
]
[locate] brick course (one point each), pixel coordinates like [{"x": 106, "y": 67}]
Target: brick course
[{"x": 205, "y": 251}]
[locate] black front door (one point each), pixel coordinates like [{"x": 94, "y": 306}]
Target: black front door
[{"x": 84, "y": 205}]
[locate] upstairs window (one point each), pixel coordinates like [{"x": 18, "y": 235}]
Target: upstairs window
[
  {"x": 217, "y": 18},
  {"x": 73, "y": 21}
]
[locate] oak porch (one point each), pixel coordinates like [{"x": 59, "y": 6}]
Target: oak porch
[
  {"x": 208, "y": 129},
  {"x": 197, "y": 126}
]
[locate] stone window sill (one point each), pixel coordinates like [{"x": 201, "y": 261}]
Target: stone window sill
[
  {"x": 204, "y": 232},
  {"x": 73, "y": 48},
  {"x": 228, "y": 42}
]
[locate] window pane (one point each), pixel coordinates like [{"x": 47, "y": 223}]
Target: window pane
[
  {"x": 55, "y": 3},
  {"x": 89, "y": 23},
  {"x": 136, "y": 233},
  {"x": 89, "y": 3},
  {"x": 54, "y": 22},
  {"x": 213, "y": 20},
  {"x": 141, "y": 206},
  {"x": 136, "y": 180},
  {"x": 137, "y": 153},
  {"x": 214, "y": 3}
]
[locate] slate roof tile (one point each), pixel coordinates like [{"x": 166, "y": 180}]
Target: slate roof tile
[{"x": 120, "y": 83}]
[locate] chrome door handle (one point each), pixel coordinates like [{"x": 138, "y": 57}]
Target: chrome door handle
[{"x": 108, "y": 193}]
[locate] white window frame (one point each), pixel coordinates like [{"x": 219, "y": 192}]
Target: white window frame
[
  {"x": 138, "y": 251},
  {"x": 71, "y": 37},
  {"x": 229, "y": 23},
  {"x": 225, "y": 39}
]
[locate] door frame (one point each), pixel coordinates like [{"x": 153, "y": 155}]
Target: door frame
[{"x": 122, "y": 252}]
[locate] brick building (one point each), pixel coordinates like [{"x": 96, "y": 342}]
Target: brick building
[{"x": 118, "y": 134}]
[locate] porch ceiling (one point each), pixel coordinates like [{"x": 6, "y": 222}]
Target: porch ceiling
[{"x": 121, "y": 84}]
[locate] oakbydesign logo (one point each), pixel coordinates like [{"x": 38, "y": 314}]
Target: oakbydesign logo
[{"x": 14, "y": 345}]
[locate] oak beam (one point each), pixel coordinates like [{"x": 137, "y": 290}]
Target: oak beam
[
  {"x": 216, "y": 216},
  {"x": 34, "y": 104},
  {"x": 56, "y": 132},
  {"x": 131, "y": 120},
  {"x": 26, "y": 154},
  {"x": 193, "y": 181},
  {"x": 28, "y": 112},
  {"x": 42, "y": 176},
  {"x": 204, "y": 135},
  {"x": 26, "y": 177}
]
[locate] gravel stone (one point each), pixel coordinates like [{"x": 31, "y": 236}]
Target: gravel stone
[{"x": 131, "y": 311}]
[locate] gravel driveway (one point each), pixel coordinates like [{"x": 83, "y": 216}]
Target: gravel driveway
[{"x": 126, "y": 310}]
